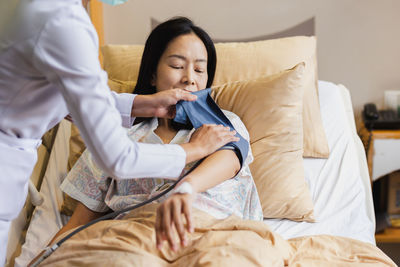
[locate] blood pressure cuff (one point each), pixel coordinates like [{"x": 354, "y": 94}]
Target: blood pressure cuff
[{"x": 205, "y": 111}]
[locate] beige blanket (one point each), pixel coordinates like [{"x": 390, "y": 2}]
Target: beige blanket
[{"x": 230, "y": 242}]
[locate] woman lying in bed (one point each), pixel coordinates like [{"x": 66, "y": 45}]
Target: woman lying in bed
[
  {"x": 180, "y": 55},
  {"x": 177, "y": 54}
]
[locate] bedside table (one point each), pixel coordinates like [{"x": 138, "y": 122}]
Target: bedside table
[
  {"x": 383, "y": 157},
  {"x": 383, "y": 151}
]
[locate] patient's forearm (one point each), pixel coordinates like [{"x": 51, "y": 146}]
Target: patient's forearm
[
  {"x": 216, "y": 168},
  {"x": 81, "y": 216}
]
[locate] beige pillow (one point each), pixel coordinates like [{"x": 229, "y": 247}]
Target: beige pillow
[
  {"x": 241, "y": 61},
  {"x": 122, "y": 62},
  {"x": 271, "y": 109}
]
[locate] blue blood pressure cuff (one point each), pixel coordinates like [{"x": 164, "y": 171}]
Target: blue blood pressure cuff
[{"x": 205, "y": 111}]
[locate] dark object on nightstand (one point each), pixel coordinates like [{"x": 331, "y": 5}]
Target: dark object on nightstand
[
  {"x": 370, "y": 112},
  {"x": 383, "y": 119}
]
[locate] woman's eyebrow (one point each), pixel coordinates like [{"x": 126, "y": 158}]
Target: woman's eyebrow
[{"x": 184, "y": 58}]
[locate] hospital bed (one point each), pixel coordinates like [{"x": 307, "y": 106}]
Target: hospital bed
[
  {"x": 339, "y": 184},
  {"x": 345, "y": 173}
]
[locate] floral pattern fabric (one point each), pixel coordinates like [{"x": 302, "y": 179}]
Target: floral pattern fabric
[{"x": 90, "y": 185}]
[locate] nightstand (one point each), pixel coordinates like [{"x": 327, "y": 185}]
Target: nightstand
[
  {"x": 383, "y": 156},
  {"x": 383, "y": 151}
]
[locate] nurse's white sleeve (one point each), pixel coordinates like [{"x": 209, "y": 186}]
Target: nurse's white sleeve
[
  {"x": 67, "y": 53},
  {"x": 124, "y": 104}
]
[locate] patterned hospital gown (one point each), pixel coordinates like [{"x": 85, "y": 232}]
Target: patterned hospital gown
[{"x": 89, "y": 184}]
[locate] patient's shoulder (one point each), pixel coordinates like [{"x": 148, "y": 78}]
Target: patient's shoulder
[
  {"x": 230, "y": 115},
  {"x": 237, "y": 124}
]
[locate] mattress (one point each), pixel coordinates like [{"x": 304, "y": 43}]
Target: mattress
[{"x": 339, "y": 185}]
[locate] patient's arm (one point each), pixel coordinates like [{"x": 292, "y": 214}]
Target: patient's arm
[
  {"x": 81, "y": 216},
  {"x": 216, "y": 168}
]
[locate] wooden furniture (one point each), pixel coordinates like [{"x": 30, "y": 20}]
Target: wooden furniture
[
  {"x": 383, "y": 156},
  {"x": 96, "y": 15},
  {"x": 383, "y": 151},
  {"x": 389, "y": 235}
]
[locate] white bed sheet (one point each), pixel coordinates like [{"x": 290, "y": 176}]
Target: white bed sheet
[{"x": 339, "y": 185}]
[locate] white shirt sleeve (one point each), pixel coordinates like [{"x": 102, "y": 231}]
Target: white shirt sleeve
[
  {"x": 124, "y": 104},
  {"x": 67, "y": 53}
]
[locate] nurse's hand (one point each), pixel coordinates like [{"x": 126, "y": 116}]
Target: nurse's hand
[
  {"x": 161, "y": 104},
  {"x": 206, "y": 140},
  {"x": 170, "y": 220}
]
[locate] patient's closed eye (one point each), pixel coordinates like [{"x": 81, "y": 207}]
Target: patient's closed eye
[
  {"x": 176, "y": 63},
  {"x": 179, "y": 67},
  {"x": 200, "y": 70},
  {"x": 176, "y": 67}
]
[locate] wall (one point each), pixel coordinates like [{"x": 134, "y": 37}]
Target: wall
[
  {"x": 358, "y": 41},
  {"x": 7, "y": 9}
]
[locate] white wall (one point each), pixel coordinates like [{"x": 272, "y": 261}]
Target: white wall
[{"x": 358, "y": 40}]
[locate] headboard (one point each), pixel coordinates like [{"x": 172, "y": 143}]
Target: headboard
[{"x": 305, "y": 28}]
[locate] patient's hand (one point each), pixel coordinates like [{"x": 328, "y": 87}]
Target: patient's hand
[{"x": 170, "y": 215}]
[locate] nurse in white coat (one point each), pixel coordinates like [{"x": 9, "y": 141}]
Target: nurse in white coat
[{"x": 49, "y": 68}]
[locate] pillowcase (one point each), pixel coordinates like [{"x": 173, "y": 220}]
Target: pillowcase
[
  {"x": 242, "y": 61},
  {"x": 271, "y": 108},
  {"x": 122, "y": 62}
]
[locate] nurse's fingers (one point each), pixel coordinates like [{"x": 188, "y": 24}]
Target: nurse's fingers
[
  {"x": 184, "y": 95},
  {"x": 206, "y": 140}
]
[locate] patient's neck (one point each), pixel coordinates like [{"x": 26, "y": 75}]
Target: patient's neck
[{"x": 165, "y": 130}]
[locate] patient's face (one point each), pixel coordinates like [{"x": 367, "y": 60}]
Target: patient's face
[{"x": 183, "y": 65}]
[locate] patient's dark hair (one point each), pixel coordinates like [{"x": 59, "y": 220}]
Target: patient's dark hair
[{"x": 158, "y": 41}]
